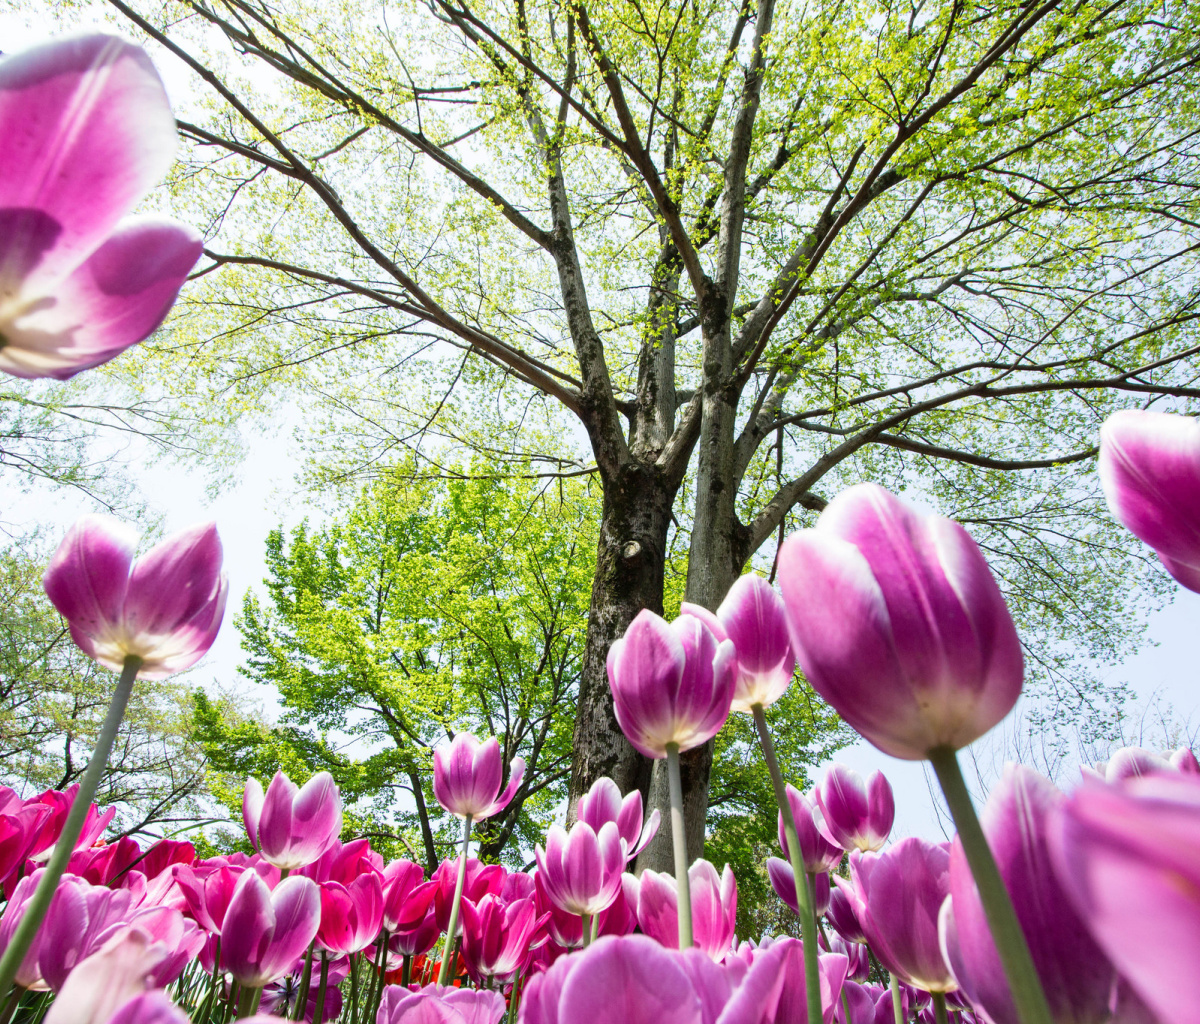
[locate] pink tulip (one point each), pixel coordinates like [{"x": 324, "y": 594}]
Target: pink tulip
[
  {"x": 1150, "y": 471},
  {"x": 264, "y": 933},
  {"x": 841, "y": 911},
  {"x": 467, "y": 777},
  {"x": 1075, "y": 974},
  {"x": 436, "y": 1005},
  {"x": 81, "y": 919},
  {"x": 627, "y": 980},
  {"x": 419, "y": 938},
  {"x": 1128, "y": 856},
  {"x": 817, "y": 852},
  {"x": 407, "y": 897},
  {"x": 351, "y": 915},
  {"x": 581, "y": 870},
  {"x": 900, "y": 892},
  {"x": 899, "y": 625},
  {"x": 754, "y": 618},
  {"x": 773, "y": 991},
  {"x": 603, "y": 803},
  {"x": 87, "y": 131},
  {"x": 671, "y": 684},
  {"x": 164, "y": 608},
  {"x": 497, "y": 936},
  {"x": 19, "y": 830},
  {"x": 714, "y": 908},
  {"x": 291, "y": 826},
  {"x": 783, "y": 881},
  {"x": 854, "y": 814},
  {"x": 566, "y": 929},
  {"x": 343, "y": 862},
  {"x": 29, "y": 974},
  {"x": 480, "y": 880}
]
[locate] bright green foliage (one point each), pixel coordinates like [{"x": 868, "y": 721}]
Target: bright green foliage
[
  {"x": 426, "y": 609},
  {"x": 53, "y": 699}
]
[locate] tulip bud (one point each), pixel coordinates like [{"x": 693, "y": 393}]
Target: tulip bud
[
  {"x": 264, "y": 933},
  {"x": 165, "y": 608},
  {"x": 671, "y": 684},
  {"x": 292, "y": 826},
  {"x": 714, "y": 908},
  {"x": 466, "y": 777},
  {"x": 854, "y": 814},
  {"x": 603, "y": 803},
  {"x": 581, "y": 871},
  {"x": 816, "y": 851},
  {"x": 899, "y": 625}
]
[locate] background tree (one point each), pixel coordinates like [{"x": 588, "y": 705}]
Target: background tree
[
  {"x": 53, "y": 700},
  {"x": 752, "y": 251}
]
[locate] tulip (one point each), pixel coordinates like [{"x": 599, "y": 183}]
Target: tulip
[
  {"x": 626, "y": 980},
  {"x": 581, "y": 871},
  {"x": 467, "y": 775},
  {"x": 81, "y": 919},
  {"x": 774, "y": 990},
  {"x": 900, "y": 892},
  {"x": 1075, "y": 974},
  {"x": 603, "y": 803},
  {"x": 406, "y": 895},
  {"x": 292, "y": 826},
  {"x": 817, "y": 853},
  {"x": 264, "y": 933},
  {"x": 671, "y": 684},
  {"x": 897, "y": 622},
  {"x": 861, "y": 1003},
  {"x": 783, "y": 881},
  {"x": 18, "y": 832},
  {"x": 1150, "y": 471},
  {"x": 351, "y": 915},
  {"x": 417, "y": 939},
  {"x": 840, "y": 912},
  {"x": 87, "y": 131},
  {"x": 478, "y": 880},
  {"x": 855, "y": 815},
  {"x": 714, "y": 903},
  {"x": 566, "y": 928},
  {"x": 753, "y": 617},
  {"x": 497, "y": 936},
  {"x": 344, "y": 862},
  {"x": 437, "y": 1005},
  {"x": 59, "y": 804},
  {"x": 1140, "y": 836}
]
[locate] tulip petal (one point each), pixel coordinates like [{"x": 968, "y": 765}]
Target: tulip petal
[{"x": 88, "y": 577}]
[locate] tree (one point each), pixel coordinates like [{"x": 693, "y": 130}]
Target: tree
[
  {"x": 53, "y": 700},
  {"x": 426, "y": 609},
  {"x": 754, "y": 250}
]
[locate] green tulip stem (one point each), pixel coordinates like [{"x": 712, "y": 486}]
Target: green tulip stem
[
  {"x": 35, "y": 909},
  {"x": 406, "y": 971},
  {"x": 939, "y": 1007},
  {"x": 897, "y": 999},
  {"x": 1028, "y": 997},
  {"x": 595, "y": 927},
  {"x": 305, "y": 981},
  {"x": 375, "y": 990},
  {"x": 808, "y": 918},
  {"x": 248, "y": 1001},
  {"x": 585, "y": 921},
  {"x": 319, "y": 1013},
  {"x": 448, "y": 955},
  {"x": 679, "y": 839}
]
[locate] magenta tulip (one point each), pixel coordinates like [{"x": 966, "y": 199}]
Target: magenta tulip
[
  {"x": 899, "y": 625},
  {"x": 467, "y": 776},
  {"x": 87, "y": 131},
  {"x": 498, "y": 936},
  {"x": 603, "y": 803},
  {"x": 418, "y": 938},
  {"x": 407, "y": 897},
  {"x": 566, "y": 929},
  {"x": 1075, "y": 974},
  {"x": 60, "y": 803},
  {"x": 480, "y": 880},
  {"x": 671, "y": 684},
  {"x": 753, "y": 617},
  {"x": 1150, "y": 471},
  {"x": 816, "y": 851},
  {"x": 1128, "y": 856},
  {"x": 165, "y": 608},
  {"x": 774, "y": 990},
  {"x": 436, "y": 1005},
  {"x": 783, "y": 881},
  {"x": 841, "y": 913},
  {"x": 292, "y": 826},
  {"x": 900, "y": 892},
  {"x": 351, "y": 915},
  {"x": 854, "y": 814},
  {"x": 581, "y": 871},
  {"x": 714, "y": 908},
  {"x": 344, "y": 862},
  {"x": 626, "y": 980},
  {"x": 264, "y": 933}
]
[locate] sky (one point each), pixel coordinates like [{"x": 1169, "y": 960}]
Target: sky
[{"x": 263, "y": 498}]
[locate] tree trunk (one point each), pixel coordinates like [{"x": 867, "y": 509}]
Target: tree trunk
[{"x": 630, "y": 561}]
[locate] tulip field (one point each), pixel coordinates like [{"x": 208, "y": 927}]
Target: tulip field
[{"x": 1049, "y": 906}]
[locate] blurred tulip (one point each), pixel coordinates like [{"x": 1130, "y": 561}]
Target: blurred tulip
[
  {"x": 292, "y": 826},
  {"x": 164, "y": 608},
  {"x": 87, "y": 132},
  {"x": 1183, "y": 760},
  {"x": 467, "y": 776},
  {"x": 714, "y": 908},
  {"x": 436, "y": 1005},
  {"x": 899, "y": 894},
  {"x": 854, "y": 814},
  {"x": 264, "y": 933},
  {"x": 861, "y": 1003},
  {"x": 107, "y": 980},
  {"x": 603, "y": 803},
  {"x": 753, "y": 617},
  {"x": 899, "y": 625},
  {"x": 1150, "y": 471},
  {"x": 817, "y": 852},
  {"x": 581, "y": 871},
  {"x": 1075, "y": 974},
  {"x": 1140, "y": 836},
  {"x": 774, "y": 989},
  {"x": 497, "y": 936},
  {"x": 671, "y": 684}
]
